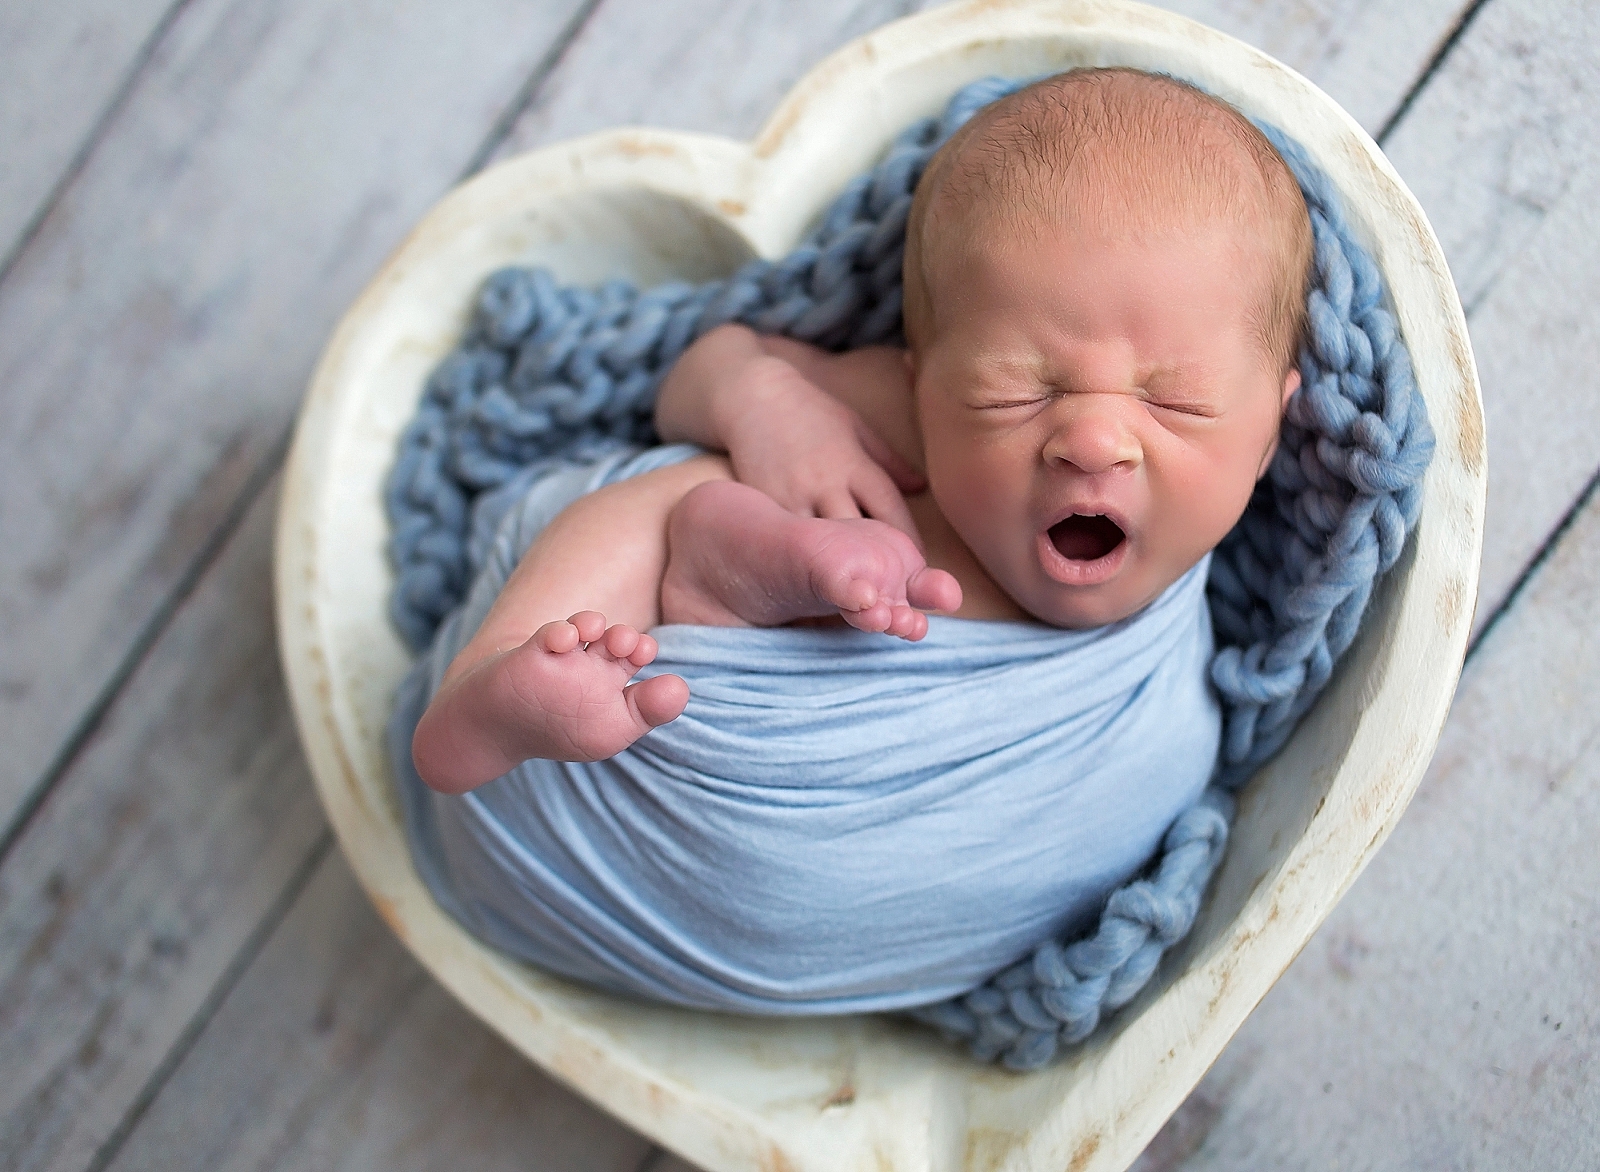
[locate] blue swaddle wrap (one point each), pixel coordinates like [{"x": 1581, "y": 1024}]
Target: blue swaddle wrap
[{"x": 840, "y": 822}]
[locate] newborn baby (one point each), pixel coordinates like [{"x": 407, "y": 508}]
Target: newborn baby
[
  {"x": 1104, "y": 282},
  {"x": 1104, "y": 288}
]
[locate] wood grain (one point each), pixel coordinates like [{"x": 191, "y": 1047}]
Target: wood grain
[
  {"x": 1500, "y": 151},
  {"x": 699, "y": 65},
  {"x": 1365, "y": 54},
  {"x": 725, "y": 68},
  {"x": 357, "y": 1059},
  {"x": 132, "y": 897},
  {"x": 65, "y": 66},
  {"x": 1444, "y": 1016},
  {"x": 156, "y": 333},
  {"x": 141, "y": 880}
]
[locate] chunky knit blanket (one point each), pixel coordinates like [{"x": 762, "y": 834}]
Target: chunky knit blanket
[{"x": 548, "y": 371}]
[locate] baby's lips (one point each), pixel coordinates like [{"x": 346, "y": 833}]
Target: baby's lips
[
  {"x": 1087, "y": 554},
  {"x": 1075, "y": 572}
]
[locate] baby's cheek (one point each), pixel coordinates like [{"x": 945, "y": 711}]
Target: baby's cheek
[
  {"x": 1230, "y": 485},
  {"x": 1206, "y": 491}
]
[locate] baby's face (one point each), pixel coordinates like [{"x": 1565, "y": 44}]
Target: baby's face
[{"x": 1095, "y": 412}]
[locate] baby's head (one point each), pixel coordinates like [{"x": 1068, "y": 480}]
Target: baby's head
[{"x": 1105, "y": 284}]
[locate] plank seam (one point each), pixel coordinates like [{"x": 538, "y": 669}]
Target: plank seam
[
  {"x": 651, "y": 1160},
  {"x": 155, "y": 626},
  {"x": 163, "y": 615},
  {"x": 1536, "y": 563},
  {"x": 529, "y": 90},
  {"x": 1446, "y": 47},
  {"x": 80, "y": 158},
  {"x": 301, "y": 1115},
  {"x": 231, "y": 976}
]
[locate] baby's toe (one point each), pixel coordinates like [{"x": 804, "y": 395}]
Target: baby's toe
[
  {"x": 557, "y": 637},
  {"x": 907, "y": 623},
  {"x": 644, "y": 651},
  {"x": 933, "y": 589},
  {"x": 590, "y": 624},
  {"x": 620, "y": 640},
  {"x": 659, "y": 699},
  {"x": 874, "y": 619},
  {"x": 851, "y": 594}
]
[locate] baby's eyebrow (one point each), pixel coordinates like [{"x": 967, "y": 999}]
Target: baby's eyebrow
[
  {"x": 1008, "y": 365},
  {"x": 1164, "y": 375},
  {"x": 1198, "y": 371},
  {"x": 1005, "y": 376}
]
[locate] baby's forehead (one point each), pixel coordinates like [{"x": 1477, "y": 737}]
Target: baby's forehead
[
  {"x": 1114, "y": 147},
  {"x": 1117, "y": 153}
]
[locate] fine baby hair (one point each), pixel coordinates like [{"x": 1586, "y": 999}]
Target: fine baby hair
[{"x": 551, "y": 372}]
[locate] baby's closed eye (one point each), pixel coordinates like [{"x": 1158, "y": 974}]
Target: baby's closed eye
[
  {"x": 1197, "y": 408},
  {"x": 1006, "y": 396},
  {"x": 1173, "y": 392},
  {"x": 1010, "y": 401}
]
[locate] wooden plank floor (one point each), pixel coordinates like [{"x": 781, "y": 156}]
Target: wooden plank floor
[{"x": 193, "y": 189}]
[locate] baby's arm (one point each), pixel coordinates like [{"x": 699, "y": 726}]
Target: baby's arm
[
  {"x": 791, "y": 418},
  {"x": 534, "y": 682}
]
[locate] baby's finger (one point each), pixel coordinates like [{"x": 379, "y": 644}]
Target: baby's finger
[
  {"x": 877, "y": 497},
  {"x": 905, "y": 477},
  {"x": 838, "y": 506}
]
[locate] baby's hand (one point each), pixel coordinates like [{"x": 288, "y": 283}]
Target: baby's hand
[{"x": 811, "y": 453}]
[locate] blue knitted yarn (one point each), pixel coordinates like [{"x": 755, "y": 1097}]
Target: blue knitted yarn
[{"x": 550, "y": 371}]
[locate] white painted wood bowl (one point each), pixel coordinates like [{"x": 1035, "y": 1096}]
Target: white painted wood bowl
[{"x": 842, "y": 1094}]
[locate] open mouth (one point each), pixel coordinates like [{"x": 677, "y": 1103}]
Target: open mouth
[{"x": 1085, "y": 539}]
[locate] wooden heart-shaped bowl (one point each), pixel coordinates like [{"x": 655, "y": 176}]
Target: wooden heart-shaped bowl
[{"x": 840, "y": 1094}]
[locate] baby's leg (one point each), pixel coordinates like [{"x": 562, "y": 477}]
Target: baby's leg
[
  {"x": 534, "y": 682},
  {"x": 738, "y": 558}
]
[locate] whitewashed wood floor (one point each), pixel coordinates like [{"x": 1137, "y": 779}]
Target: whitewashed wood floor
[{"x": 191, "y": 191}]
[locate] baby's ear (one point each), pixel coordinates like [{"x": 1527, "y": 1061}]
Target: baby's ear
[{"x": 1291, "y": 384}]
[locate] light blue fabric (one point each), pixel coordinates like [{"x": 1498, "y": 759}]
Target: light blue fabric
[{"x": 839, "y": 822}]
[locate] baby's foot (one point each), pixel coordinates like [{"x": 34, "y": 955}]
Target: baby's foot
[
  {"x": 738, "y": 558},
  {"x": 568, "y": 680}
]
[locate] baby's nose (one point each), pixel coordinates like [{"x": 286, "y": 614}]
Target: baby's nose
[{"x": 1090, "y": 433}]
